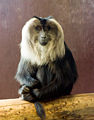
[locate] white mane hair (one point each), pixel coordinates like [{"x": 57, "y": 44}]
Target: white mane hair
[{"x": 37, "y": 54}]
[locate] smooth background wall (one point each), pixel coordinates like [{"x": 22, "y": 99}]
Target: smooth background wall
[{"x": 77, "y": 20}]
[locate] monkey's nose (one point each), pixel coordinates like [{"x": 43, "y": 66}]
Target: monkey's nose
[{"x": 43, "y": 37}]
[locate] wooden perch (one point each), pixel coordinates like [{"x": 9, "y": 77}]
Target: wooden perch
[{"x": 74, "y": 107}]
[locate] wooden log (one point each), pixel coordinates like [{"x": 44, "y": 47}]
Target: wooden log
[{"x": 74, "y": 107}]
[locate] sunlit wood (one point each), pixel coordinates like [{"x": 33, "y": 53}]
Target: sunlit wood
[{"x": 74, "y": 107}]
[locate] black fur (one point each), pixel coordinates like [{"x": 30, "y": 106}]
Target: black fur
[
  {"x": 43, "y": 21},
  {"x": 48, "y": 81}
]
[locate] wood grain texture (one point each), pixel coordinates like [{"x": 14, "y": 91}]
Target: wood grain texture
[{"x": 74, "y": 107}]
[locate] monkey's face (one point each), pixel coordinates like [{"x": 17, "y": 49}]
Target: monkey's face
[
  {"x": 42, "y": 40},
  {"x": 42, "y": 31},
  {"x": 45, "y": 34}
]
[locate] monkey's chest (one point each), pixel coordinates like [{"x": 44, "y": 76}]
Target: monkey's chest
[{"x": 44, "y": 75}]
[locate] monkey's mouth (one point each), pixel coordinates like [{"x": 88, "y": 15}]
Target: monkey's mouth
[{"x": 43, "y": 43}]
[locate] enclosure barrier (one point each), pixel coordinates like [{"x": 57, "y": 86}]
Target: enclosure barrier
[{"x": 74, "y": 107}]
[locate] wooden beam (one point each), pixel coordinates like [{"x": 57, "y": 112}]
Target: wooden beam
[{"x": 74, "y": 107}]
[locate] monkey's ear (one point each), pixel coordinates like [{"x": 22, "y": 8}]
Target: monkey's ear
[
  {"x": 50, "y": 17},
  {"x": 37, "y": 17}
]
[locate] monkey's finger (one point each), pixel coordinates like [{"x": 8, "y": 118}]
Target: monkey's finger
[
  {"x": 24, "y": 89},
  {"x": 27, "y": 97}
]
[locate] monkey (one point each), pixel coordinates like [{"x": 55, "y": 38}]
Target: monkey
[{"x": 47, "y": 69}]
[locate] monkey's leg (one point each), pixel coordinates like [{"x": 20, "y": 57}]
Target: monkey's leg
[{"x": 50, "y": 89}]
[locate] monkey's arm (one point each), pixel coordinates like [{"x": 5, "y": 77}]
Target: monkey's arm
[{"x": 26, "y": 74}]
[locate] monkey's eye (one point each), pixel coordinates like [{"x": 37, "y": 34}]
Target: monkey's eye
[{"x": 38, "y": 28}]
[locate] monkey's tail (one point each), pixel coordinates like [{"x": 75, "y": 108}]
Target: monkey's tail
[{"x": 40, "y": 110}]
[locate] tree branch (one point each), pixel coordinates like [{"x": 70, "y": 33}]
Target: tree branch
[{"x": 74, "y": 107}]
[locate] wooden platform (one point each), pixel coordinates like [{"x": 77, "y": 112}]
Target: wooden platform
[{"x": 74, "y": 107}]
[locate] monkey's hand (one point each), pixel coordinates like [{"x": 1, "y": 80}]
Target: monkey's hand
[
  {"x": 32, "y": 83},
  {"x": 26, "y": 93},
  {"x": 28, "y": 97},
  {"x": 24, "y": 89}
]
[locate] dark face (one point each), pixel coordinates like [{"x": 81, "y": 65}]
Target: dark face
[
  {"x": 44, "y": 36},
  {"x": 45, "y": 30}
]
